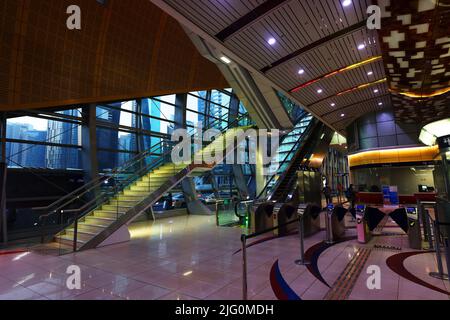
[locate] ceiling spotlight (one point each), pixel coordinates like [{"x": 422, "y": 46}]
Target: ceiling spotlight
[
  {"x": 370, "y": 73},
  {"x": 319, "y": 91},
  {"x": 301, "y": 71},
  {"x": 380, "y": 103},
  {"x": 271, "y": 41},
  {"x": 225, "y": 59},
  {"x": 333, "y": 104},
  {"x": 361, "y": 46},
  {"x": 342, "y": 115},
  {"x": 376, "y": 91},
  {"x": 346, "y": 3}
]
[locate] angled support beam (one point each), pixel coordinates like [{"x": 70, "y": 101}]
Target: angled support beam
[
  {"x": 313, "y": 45},
  {"x": 250, "y": 18}
]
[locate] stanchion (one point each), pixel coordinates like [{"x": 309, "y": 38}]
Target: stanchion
[
  {"x": 301, "y": 232},
  {"x": 329, "y": 225},
  {"x": 244, "y": 267},
  {"x": 437, "y": 239}
]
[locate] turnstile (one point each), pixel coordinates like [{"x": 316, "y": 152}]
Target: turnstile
[
  {"x": 362, "y": 227},
  {"x": 288, "y": 212},
  {"x": 414, "y": 231},
  {"x": 261, "y": 217},
  {"x": 334, "y": 223},
  {"x": 311, "y": 219}
]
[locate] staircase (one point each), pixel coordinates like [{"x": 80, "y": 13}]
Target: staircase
[{"x": 137, "y": 193}]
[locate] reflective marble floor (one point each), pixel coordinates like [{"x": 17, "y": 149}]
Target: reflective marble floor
[{"x": 190, "y": 258}]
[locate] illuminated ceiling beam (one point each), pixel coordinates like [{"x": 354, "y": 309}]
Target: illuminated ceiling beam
[
  {"x": 344, "y": 108},
  {"x": 316, "y": 44},
  {"x": 250, "y": 18},
  {"x": 336, "y": 72},
  {"x": 421, "y": 95},
  {"x": 362, "y": 86}
]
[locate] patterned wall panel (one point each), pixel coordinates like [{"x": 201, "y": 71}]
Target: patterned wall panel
[
  {"x": 415, "y": 42},
  {"x": 125, "y": 49}
]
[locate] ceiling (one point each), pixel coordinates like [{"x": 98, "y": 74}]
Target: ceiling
[
  {"x": 331, "y": 43},
  {"x": 122, "y": 52}
]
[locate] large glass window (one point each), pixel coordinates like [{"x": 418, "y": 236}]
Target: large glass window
[{"x": 44, "y": 141}]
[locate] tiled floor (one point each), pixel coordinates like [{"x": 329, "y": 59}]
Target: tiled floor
[{"x": 190, "y": 258}]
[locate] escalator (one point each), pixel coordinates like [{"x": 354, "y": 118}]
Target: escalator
[
  {"x": 281, "y": 190},
  {"x": 117, "y": 198}
]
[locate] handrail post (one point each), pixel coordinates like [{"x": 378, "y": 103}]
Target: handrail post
[
  {"x": 44, "y": 222},
  {"x": 217, "y": 213},
  {"x": 75, "y": 235},
  {"x": 244, "y": 267}
]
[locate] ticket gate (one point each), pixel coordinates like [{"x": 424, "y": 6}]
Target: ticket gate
[
  {"x": 334, "y": 223},
  {"x": 362, "y": 226},
  {"x": 311, "y": 218},
  {"x": 288, "y": 212},
  {"x": 261, "y": 217},
  {"x": 414, "y": 231}
]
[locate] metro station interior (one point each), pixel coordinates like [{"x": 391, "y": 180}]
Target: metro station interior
[{"x": 225, "y": 149}]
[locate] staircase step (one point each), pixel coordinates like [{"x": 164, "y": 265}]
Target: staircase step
[
  {"x": 82, "y": 235},
  {"x": 115, "y": 208},
  {"x": 99, "y": 220},
  {"x": 91, "y": 227},
  {"x": 108, "y": 214},
  {"x": 65, "y": 240}
]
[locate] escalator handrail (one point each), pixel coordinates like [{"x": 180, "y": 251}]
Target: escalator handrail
[
  {"x": 293, "y": 149},
  {"x": 300, "y": 150}
]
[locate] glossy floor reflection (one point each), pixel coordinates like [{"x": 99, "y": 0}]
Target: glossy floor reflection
[{"x": 190, "y": 258}]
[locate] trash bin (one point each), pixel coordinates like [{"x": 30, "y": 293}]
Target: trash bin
[
  {"x": 414, "y": 232},
  {"x": 362, "y": 227}
]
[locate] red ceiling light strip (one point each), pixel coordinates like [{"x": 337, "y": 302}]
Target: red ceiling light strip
[{"x": 350, "y": 67}]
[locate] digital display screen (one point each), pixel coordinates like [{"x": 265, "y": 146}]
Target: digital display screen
[{"x": 411, "y": 210}]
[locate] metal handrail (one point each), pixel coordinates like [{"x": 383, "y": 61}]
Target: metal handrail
[
  {"x": 100, "y": 180},
  {"x": 293, "y": 149},
  {"x": 95, "y": 183},
  {"x": 99, "y": 200}
]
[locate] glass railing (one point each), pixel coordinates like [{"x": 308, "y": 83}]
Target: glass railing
[
  {"x": 286, "y": 152},
  {"x": 111, "y": 196}
]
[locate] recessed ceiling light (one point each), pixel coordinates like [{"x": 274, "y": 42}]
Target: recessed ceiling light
[
  {"x": 271, "y": 41},
  {"x": 301, "y": 71},
  {"x": 361, "y": 46},
  {"x": 225, "y": 59},
  {"x": 342, "y": 115},
  {"x": 319, "y": 91},
  {"x": 370, "y": 73},
  {"x": 346, "y": 3},
  {"x": 376, "y": 91},
  {"x": 333, "y": 104},
  {"x": 380, "y": 103}
]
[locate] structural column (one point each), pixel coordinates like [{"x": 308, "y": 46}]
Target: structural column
[
  {"x": 3, "y": 174},
  {"x": 89, "y": 142},
  {"x": 444, "y": 148}
]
